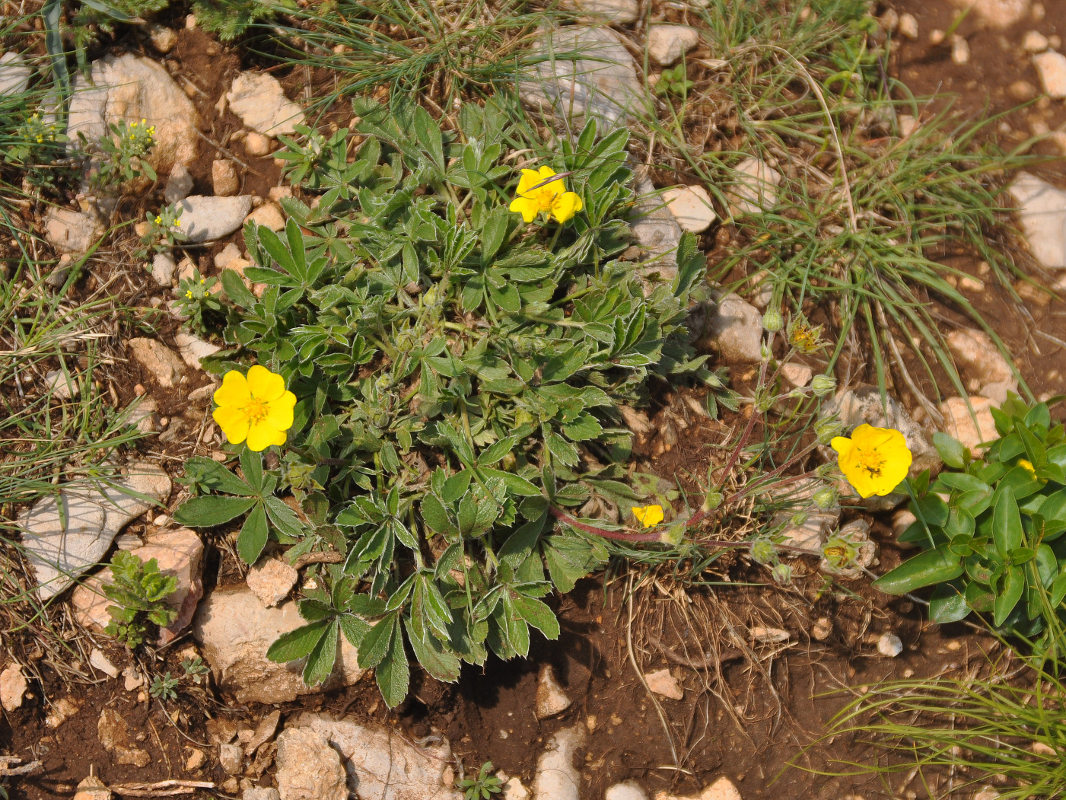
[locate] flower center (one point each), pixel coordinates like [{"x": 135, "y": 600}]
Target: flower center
[
  {"x": 256, "y": 410},
  {"x": 871, "y": 461}
]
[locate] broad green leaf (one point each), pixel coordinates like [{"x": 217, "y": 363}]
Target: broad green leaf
[
  {"x": 951, "y": 450},
  {"x": 208, "y": 511},
  {"x": 284, "y": 518},
  {"x": 1006, "y": 521},
  {"x": 537, "y": 614},
  {"x": 354, "y": 628},
  {"x": 375, "y": 644},
  {"x": 253, "y": 536},
  {"x": 947, "y": 604},
  {"x": 435, "y": 516},
  {"x": 393, "y": 673},
  {"x": 432, "y": 654},
  {"x": 1009, "y": 595},
  {"x": 321, "y": 659},
  {"x": 924, "y": 569},
  {"x": 215, "y": 476},
  {"x": 297, "y": 643}
]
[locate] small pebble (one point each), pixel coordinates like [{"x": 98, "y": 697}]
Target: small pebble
[{"x": 889, "y": 645}]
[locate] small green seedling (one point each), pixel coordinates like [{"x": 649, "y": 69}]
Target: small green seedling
[
  {"x": 482, "y": 786},
  {"x": 140, "y": 590},
  {"x": 674, "y": 81}
]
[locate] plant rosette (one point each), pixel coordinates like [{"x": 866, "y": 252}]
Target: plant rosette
[
  {"x": 458, "y": 377},
  {"x": 992, "y": 527}
]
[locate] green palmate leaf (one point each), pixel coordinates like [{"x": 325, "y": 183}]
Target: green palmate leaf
[
  {"x": 392, "y": 673},
  {"x": 925, "y": 569},
  {"x": 206, "y": 512},
  {"x": 253, "y": 536},
  {"x": 322, "y": 657},
  {"x": 434, "y": 656},
  {"x": 376, "y": 641},
  {"x": 537, "y": 614},
  {"x": 299, "y": 642}
]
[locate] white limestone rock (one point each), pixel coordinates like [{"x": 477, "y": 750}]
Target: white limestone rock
[
  {"x": 663, "y": 683},
  {"x": 271, "y": 580},
  {"x": 551, "y": 698},
  {"x": 193, "y": 349},
  {"x": 94, "y": 516},
  {"x": 970, "y": 429},
  {"x": 71, "y": 231},
  {"x": 981, "y": 364},
  {"x": 14, "y": 74},
  {"x": 556, "y": 776},
  {"x": 586, "y": 72},
  {"x": 236, "y": 630},
  {"x": 667, "y": 43},
  {"x": 754, "y": 188},
  {"x": 260, "y": 102},
  {"x": 13, "y": 686},
  {"x": 616, "y": 12},
  {"x": 691, "y": 207},
  {"x": 1042, "y": 212},
  {"x": 205, "y": 218},
  {"x": 998, "y": 14},
  {"x": 162, "y": 363},
  {"x": 1051, "y": 68},
  {"x": 131, "y": 88},
  {"x": 308, "y": 768},
  {"x": 382, "y": 764},
  {"x": 733, "y": 329}
]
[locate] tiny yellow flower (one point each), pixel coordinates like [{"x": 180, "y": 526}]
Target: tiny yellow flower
[
  {"x": 158, "y": 220},
  {"x": 874, "y": 460},
  {"x": 188, "y": 293},
  {"x": 203, "y": 280},
  {"x": 538, "y": 193},
  {"x": 1027, "y": 465},
  {"x": 143, "y": 120},
  {"x": 258, "y": 408},
  {"x": 177, "y": 223},
  {"x": 648, "y": 516}
]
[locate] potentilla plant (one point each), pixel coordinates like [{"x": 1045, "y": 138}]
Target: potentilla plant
[
  {"x": 456, "y": 349},
  {"x": 991, "y": 527}
]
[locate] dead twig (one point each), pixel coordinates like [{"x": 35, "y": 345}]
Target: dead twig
[
  {"x": 7, "y": 768},
  {"x": 167, "y": 788}
]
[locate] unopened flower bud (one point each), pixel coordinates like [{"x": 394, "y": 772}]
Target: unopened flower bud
[
  {"x": 826, "y": 429},
  {"x": 782, "y": 573},
  {"x": 822, "y": 385},
  {"x": 762, "y": 551},
  {"x": 772, "y": 320},
  {"x": 825, "y": 498}
]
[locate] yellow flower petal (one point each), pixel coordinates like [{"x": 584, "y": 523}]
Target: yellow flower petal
[
  {"x": 279, "y": 412},
  {"x": 532, "y": 177},
  {"x": 565, "y": 205},
  {"x": 233, "y": 422},
  {"x": 264, "y": 384},
  {"x": 262, "y": 435},
  {"x": 233, "y": 391},
  {"x": 526, "y": 207},
  {"x": 648, "y": 516}
]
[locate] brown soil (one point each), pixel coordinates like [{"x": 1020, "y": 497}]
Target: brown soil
[{"x": 750, "y": 707}]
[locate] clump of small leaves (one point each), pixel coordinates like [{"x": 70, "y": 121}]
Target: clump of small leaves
[
  {"x": 139, "y": 591},
  {"x": 121, "y": 154},
  {"x": 459, "y": 375},
  {"x": 229, "y": 19},
  {"x": 674, "y": 81},
  {"x": 198, "y": 300},
  {"x": 482, "y": 786},
  {"x": 164, "y": 687},
  {"x": 162, "y": 231}
]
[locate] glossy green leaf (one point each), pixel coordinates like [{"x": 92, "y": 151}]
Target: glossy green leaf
[
  {"x": 1006, "y": 521},
  {"x": 924, "y": 569},
  {"x": 208, "y": 511}
]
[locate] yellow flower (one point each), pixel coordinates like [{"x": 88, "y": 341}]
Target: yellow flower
[
  {"x": 1027, "y": 466},
  {"x": 537, "y": 193},
  {"x": 874, "y": 460},
  {"x": 648, "y": 516},
  {"x": 257, "y": 408},
  {"x": 177, "y": 223},
  {"x": 158, "y": 220},
  {"x": 188, "y": 293}
]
